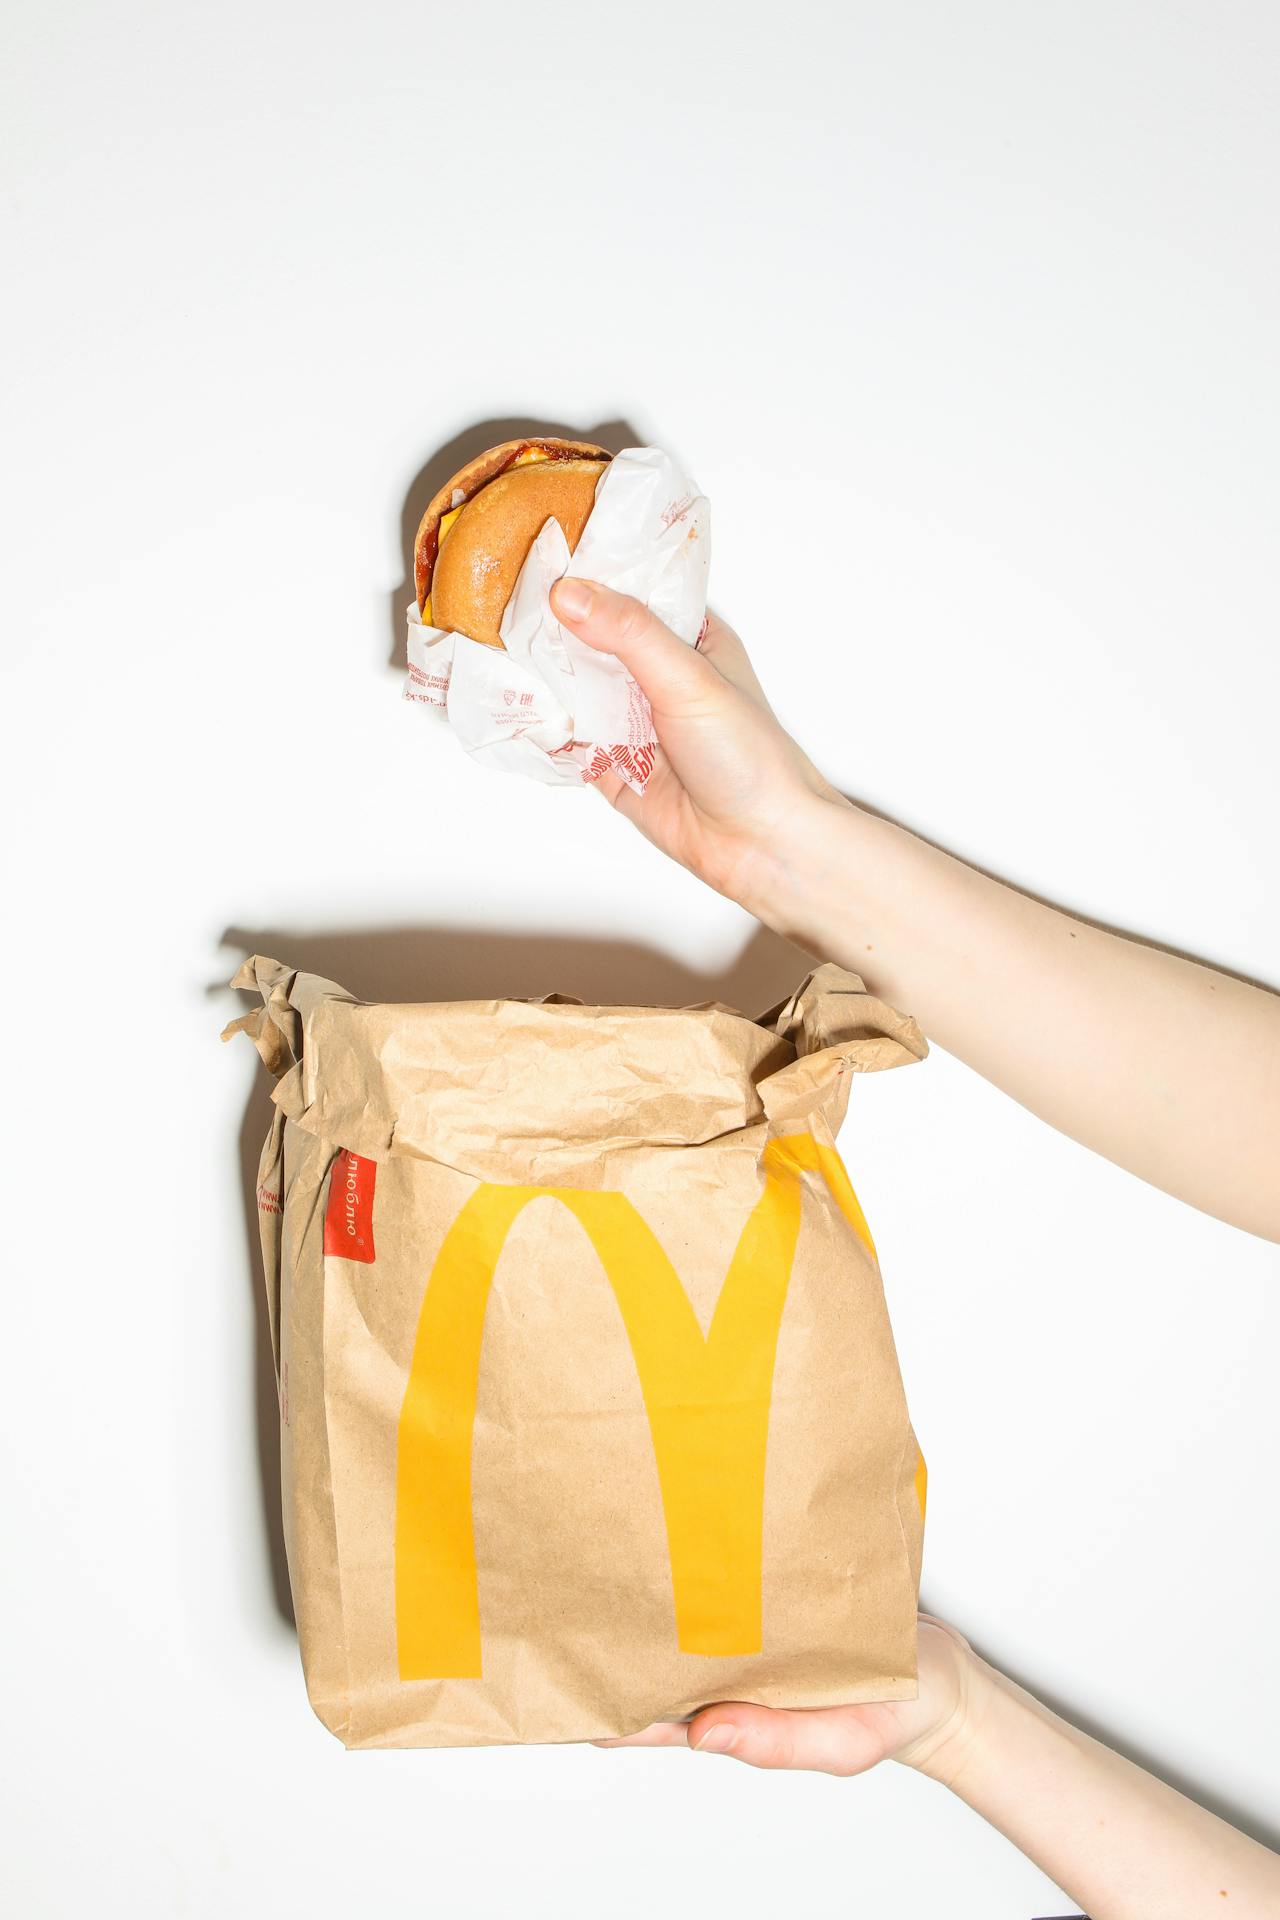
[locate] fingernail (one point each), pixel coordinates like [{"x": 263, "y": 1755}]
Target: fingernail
[
  {"x": 573, "y": 599},
  {"x": 717, "y": 1739}
]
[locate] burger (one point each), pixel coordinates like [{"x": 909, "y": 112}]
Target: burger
[{"x": 477, "y": 532}]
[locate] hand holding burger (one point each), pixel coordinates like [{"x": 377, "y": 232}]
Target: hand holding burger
[{"x": 731, "y": 795}]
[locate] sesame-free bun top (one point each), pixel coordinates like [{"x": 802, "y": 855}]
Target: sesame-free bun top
[{"x": 492, "y": 511}]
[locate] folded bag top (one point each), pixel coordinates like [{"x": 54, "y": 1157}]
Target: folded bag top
[{"x": 549, "y": 1089}]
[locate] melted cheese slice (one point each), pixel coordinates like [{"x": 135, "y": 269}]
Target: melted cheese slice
[{"x": 446, "y": 522}]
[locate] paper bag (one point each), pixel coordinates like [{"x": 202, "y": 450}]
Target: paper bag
[{"x": 590, "y": 1407}]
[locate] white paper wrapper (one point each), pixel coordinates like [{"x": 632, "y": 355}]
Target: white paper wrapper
[{"x": 550, "y": 707}]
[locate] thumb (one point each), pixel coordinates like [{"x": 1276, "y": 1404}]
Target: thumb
[
  {"x": 667, "y": 670},
  {"x": 771, "y": 1737}
]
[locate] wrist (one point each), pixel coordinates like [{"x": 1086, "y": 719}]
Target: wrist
[
  {"x": 948, "y": 1751},
  {"x": 792, "y": 872}
]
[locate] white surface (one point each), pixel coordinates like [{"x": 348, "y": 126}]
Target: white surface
[{"x": 993, "y": 289}]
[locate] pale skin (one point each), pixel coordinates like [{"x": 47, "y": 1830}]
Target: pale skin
[{"x": 1180, "y": 1084}]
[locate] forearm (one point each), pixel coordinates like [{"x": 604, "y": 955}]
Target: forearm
[
  {"x": 1122, "y": 1844},
  {"x": 1168, "y": 1068}
]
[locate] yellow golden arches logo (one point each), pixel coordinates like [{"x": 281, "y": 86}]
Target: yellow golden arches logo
[{"x": 707, "y": 1398}]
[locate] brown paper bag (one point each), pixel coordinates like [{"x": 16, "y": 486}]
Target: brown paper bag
[{"x": 590, "y": 1408}]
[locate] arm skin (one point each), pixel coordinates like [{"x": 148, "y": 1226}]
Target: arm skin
[
  {"x": 1121, "y": 1843},
  {"x": 1168, "y": 1068}
]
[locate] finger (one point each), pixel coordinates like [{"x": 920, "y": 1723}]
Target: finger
[
  {"x": 722, "y": 647},
  {"x": 670, "y": 673},
  {"x": 944, "y": 1626},
  {"x": 612, "y": 786},
  {"x": 626, "y": 801},
  {"x": 771, "y": 1738},
  {"x": 664, "y": 1733}
]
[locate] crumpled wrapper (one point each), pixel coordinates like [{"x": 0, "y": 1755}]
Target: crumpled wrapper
[{"x": 549, "y": 707}]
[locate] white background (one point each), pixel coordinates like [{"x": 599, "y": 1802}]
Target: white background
[{"x": 965, "y": 318}]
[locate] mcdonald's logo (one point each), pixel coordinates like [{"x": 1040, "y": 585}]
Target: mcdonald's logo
[{"x": 707, "y": 1398}]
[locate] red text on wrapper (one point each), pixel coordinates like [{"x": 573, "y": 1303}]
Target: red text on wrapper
[{"x": 348, "y": 1220}]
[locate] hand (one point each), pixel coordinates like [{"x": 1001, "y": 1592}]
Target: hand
[
  {"x": 730, "y": 789},
  {"x": 930, "y": 1733}
]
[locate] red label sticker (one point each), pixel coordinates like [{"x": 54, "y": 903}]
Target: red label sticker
[{"x": 348, "y": 1220}]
